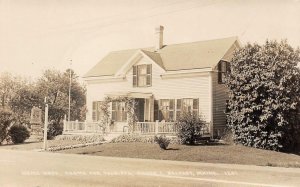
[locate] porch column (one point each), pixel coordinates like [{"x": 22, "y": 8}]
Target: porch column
[{"x": 151, "y": 108}]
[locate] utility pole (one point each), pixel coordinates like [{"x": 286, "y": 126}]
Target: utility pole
[{"x": 70, "y": 76}]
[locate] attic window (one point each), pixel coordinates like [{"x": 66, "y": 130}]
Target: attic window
[
  {"x": 223, "y": 68},
  {"x": 142, "y": 75}
]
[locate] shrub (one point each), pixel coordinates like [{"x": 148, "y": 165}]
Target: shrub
[
  {"x": 162, "y": 141},
  {"x": 264, "y": 87},
  {"x": 5, "y": 121},
  {"x": 18, "y": 133},
  {"x": 190, "y": 127},
  {"x": 54, "y": 129}
]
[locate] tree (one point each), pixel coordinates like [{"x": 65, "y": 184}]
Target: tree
[
  {"x": 23, "y": 100},
  {"x": 5, "y": 121},
  {"x": 264, "y": 87},
  {"x": 55, "y": 86},
  {"x": 8, "y": 86}
]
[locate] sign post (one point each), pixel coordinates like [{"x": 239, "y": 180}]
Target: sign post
[{"x": 46, "y": 125}]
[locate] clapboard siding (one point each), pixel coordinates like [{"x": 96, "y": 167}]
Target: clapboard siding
[
  {"x": 220, "y": 95},
  {"x": 162, "y": 88}
]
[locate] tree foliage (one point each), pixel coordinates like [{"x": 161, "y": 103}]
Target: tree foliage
[
  {"x": 5, "y": 121},
  {"x": 264, "y": 87},
  {"x": 22, "y": 102},
  {"x": 55, "y": 86},
  {"x": 8, "y": 87},
  {"x": 19, "y": 96}
]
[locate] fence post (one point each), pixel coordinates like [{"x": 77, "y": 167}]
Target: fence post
[
  {"x": 85, "y": 126},
  {"x": 76, "y": 125},
  {"x": 156, "y": 127}
]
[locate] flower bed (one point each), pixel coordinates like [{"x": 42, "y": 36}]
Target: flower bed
[
  {"x": 141, "y": 138},
  {"x": 76, "y": 141}
]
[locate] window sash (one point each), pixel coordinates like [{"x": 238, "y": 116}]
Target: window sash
[
  {"x": 134, "y": 75},
  {"x": 223, "y": 68},
  {"x": 167, "y": 109},
  {"x": 97, "y": 112},
  {"x": 142, "y": 75},
  {"x": 190, "y": 105},
  {"x": 119, "y": 112}
]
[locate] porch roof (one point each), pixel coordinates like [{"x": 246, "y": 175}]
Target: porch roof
[{"x": 130, "y": 94}]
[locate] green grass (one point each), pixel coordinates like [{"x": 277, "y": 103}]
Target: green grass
[{"x": 213, "y": 153}]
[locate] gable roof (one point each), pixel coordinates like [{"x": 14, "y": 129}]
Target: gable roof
[{"x": 195, "y": 55}]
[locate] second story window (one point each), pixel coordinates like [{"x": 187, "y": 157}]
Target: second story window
[
  {"x": 223, "y": 68},
  {"x": 142, "y": 75}
]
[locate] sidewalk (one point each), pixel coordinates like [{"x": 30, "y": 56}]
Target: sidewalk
[{"x": 38, "y": 145}]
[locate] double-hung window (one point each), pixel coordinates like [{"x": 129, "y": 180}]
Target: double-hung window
[
  {"x": 190, "y": 105},
  {"x": 142, "y": 75},
  {"x": 164, "y": 109},
  {"x": 118, "y": 111},
  {"x": 223, "y": 68},
  {"x": 97, "y": 112},
  {"x": 172, "y": 109}
]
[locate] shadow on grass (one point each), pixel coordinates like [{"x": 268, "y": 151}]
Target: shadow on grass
[
  {"x": 90, "y": 153},
  {"x": 208, "y": 144},
  {"x": 172, "y": 149}
]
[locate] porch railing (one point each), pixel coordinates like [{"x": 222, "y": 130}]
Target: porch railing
[
  {"x": 83, "y": 127},
  {"x": 162, "y": 128},
  {"x": 140, "y": 127}
]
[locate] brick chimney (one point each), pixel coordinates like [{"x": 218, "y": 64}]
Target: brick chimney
[{"x": 159, "y": 37}]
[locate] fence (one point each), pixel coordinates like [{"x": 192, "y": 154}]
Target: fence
[
  {"x": 162, "y": 128},
  {"x": 83, "y": 127}
]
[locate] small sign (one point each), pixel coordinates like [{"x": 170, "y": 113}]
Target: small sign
[{"x": 36, "y": 115}]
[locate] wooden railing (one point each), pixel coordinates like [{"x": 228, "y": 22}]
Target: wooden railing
[
  {"x": 140, "y": 127},
  {"x": 83, "y": 127},
  {"x": 162, "y": 128}
]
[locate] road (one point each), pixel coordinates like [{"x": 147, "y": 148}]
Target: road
[{"x": 29, "y": 168}]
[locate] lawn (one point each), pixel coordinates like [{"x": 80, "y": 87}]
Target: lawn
[{"x": 213, "y": 153}]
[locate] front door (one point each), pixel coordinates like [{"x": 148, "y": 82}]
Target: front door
[{"x": 139, "y": 110}]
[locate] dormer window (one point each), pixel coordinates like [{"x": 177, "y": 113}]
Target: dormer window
[
  {"x": 142, "y": 75},
  {"x": 223, "y": 68}
]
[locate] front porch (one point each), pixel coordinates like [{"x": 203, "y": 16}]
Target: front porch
[
  {"x": 139, "y": 111},
  {"x": 155, "y": 128}
]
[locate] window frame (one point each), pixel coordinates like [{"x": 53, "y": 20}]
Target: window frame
[
  {"x": 193, "y": 104},
  {"x": 147, "y": 76},
  {"x": 118, "y": 111},
  {"x": 223, "y": 69},
  {"x": 97, "y": 112}
]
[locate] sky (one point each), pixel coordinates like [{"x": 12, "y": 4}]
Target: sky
[{"x": 36, "y": 35}]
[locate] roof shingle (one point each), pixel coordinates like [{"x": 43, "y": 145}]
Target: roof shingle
[{"x": 195, "y": 55}]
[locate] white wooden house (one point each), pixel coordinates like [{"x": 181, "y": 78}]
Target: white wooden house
[{"x": 165, "y": 80}]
